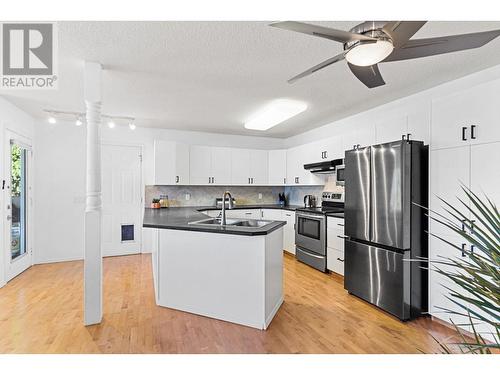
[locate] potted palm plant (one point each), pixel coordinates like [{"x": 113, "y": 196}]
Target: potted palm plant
[{"x": 476, "y": 274}]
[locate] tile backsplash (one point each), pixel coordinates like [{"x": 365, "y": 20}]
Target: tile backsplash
[
  {"x": 295, "y": 194},
  {"x": 206, "y": 195}
]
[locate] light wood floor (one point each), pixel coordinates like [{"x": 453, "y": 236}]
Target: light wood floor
[{"x": 41, "y": 312}]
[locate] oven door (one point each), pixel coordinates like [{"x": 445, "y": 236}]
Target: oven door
[{"x": 310, "y": 232}]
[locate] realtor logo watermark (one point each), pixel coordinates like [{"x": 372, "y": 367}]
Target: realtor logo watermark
[{"x": 29, "y": 52}]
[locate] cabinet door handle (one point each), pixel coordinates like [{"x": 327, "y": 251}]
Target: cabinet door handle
[
  {"x": 252, "y": 180},
  {"x": 343, "y": 237},
  {"x": 284, "y": 180},
  {"x": 326, "y": 154},
  {"x": 209, "y": 180},
  {"x": 340, "y": 260},
  {"x": 472, "y": 132},
  {"x": 471, "y": 248},
  {"x": 340, "y": 225},
  {"x": 463, "y": 250},
  {"x": 176, "y": 179},
  {"x": 464, "y": 135}
]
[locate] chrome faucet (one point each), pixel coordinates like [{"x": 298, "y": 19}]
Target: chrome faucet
[{"x": 229, "y": 206}]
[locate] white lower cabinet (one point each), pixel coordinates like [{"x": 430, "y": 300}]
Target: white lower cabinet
[
  {"x": 289, "y": 232},
  {"x": 244, "y": 214},
  {"x": 335, "y": 245},
  {"x": 335, "y": 260},
  {"x": 475, "y": 167},
  {"x": 272, "y": 214}
]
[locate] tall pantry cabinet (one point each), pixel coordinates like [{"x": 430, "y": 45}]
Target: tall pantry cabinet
[{"x": 465, "y": 149}]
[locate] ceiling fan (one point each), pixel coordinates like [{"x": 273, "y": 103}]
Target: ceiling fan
[{"x": 373, "y": 42}]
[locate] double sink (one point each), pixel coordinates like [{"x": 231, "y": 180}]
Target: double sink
[{"x": 233, "y": 222}]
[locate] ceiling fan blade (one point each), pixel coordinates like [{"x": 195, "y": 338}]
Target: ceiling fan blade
[
  {"x": 320, "y": 66},
  {"x": 323, "y": 32},
  {"x": 437, "y": 46},
  {"x": 369, "y": 75},
  {"x": 401, "y": 31}
]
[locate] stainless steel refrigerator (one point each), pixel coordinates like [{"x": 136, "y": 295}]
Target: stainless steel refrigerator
[{"x": 385, "y": 232}]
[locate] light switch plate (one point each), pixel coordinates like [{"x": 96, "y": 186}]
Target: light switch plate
[
  {"x": 188, "y": 196},
  {"x": 260, "y": 195}
]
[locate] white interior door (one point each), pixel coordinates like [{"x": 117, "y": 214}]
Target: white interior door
[
  {"x": 121, "y": 199},
  {"x": 18, "y": 205}
]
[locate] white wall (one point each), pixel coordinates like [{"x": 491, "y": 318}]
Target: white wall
[
  {"x": 60, "y": 178},
  {"x": 15, "y": 120}
]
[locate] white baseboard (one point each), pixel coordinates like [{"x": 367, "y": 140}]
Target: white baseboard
[{"x": 45, "y": 261}]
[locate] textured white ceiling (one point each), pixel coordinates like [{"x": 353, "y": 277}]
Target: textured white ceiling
[{"x": 212, "y": 76}]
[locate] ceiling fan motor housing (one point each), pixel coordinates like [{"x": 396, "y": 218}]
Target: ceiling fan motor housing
[{"x": 369, "y": 28}]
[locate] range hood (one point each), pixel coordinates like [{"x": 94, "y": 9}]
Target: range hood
[{"x": 324, "y": 167}]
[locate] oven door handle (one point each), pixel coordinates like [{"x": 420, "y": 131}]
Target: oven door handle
[
  {"x": 311, "y": 254},
  {"x": 319, "y": 217}
]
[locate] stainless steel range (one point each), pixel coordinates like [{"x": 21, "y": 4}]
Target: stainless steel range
[{"x": 310, "y": 230}]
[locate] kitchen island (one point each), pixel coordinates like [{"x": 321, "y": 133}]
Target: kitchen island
[{"x": 231, "y": 272}]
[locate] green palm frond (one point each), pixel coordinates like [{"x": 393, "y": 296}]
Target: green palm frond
[{"x": 476, "y": 274}]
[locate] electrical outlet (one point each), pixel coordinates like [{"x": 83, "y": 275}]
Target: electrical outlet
[
  {"x": 260, "y": 195},
  {"x": 188, "y": 196}
]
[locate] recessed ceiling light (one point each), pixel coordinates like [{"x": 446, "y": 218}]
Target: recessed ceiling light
[
  {"x": 132, "y": 126},
  {"x": 276, "y": 112},
  {"x": 111, "y": 124},
  {"x": 52, "y": 120},
  {"x": 369, "y": 53},
  {"x": 78, "y": 122}
]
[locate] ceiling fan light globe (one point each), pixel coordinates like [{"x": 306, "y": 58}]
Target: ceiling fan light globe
[{"x": 366, "y": 54}]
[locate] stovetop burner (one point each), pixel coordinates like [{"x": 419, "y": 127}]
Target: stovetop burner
[{"x": 326, "y": 208}]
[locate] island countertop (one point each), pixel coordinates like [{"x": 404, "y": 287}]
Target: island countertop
[{"x": 178, "y": 218}]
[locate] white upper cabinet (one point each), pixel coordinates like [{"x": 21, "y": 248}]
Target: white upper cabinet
[
  {"x": 296, "y": 157},
  {"x": 467, "y": 117},
  {"x": 391, "y": 129},
  {"x": 200, "y": 165},
  {"x": 221, "y": 165},
  {"x": 361, "y": 135},
  {"x": 240, "y": 166},
  {"x": 277, "y": 167},
  {"x": 249, "y": 167},
  {"x": 333, "y": 148},
  {"x": 326, "y": 149},
  {"x": 292, "y": 165},
  {"x": 210, "y": 165},
  {"x": 171, "y": 163},
  {"x": 259, "y": 167}
]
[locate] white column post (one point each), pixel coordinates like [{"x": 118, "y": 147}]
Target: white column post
[{"x": 93, "y": 254}]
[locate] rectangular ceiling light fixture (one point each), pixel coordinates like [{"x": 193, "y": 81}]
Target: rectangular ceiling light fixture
[{"x": 276, "y": 112}]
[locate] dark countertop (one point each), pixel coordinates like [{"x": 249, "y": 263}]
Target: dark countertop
[
  {"x": 179, "y": 218},
  {"x": 336, "y": 214},
  {"x": 254, "y": 206}
]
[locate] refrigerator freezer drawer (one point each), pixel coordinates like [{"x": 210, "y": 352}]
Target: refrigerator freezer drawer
[{"x": 379, "y": 276}]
